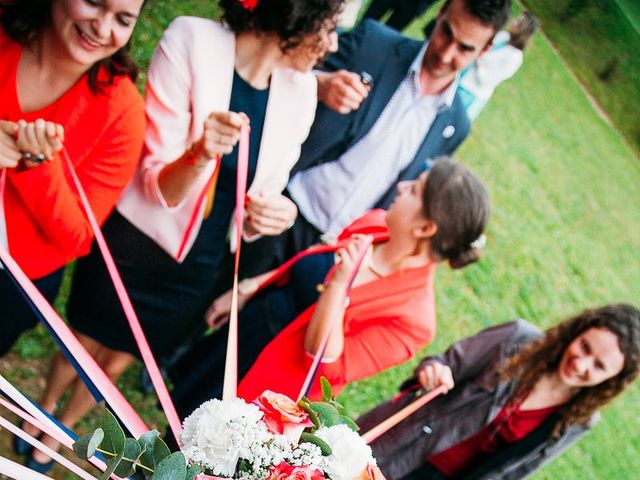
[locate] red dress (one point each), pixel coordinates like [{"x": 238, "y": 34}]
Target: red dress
[
  {"x": 46, "y": 226},
  {"x": 387, "y": 321}
]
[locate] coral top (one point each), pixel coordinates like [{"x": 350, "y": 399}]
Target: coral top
[
  {"x": 46, "y": 226},
  {"x": 387, "y": 321}
]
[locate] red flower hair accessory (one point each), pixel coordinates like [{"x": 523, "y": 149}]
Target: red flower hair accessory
[{"x": 249, "y": 4}]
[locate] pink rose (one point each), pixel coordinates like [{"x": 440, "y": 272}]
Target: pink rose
[
  {"x": 284, "y": 471},
  {"x": 282, "y": 415}
]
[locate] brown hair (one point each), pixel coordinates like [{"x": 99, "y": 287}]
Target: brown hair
[
  {"x": 543, "y": 356},
  {"x": 290, "y": 20},
  {"x": 521, "y": 30},
  {"x": 23, "y": 21},
  {"x": 459, "y": 204},
  {"x": 494, "y": 13}
]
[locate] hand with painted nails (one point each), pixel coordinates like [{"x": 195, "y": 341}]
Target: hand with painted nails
[
  {"x": 221, "y": 134},
  {"x": 38, "y": 141},
  {"x": 269, "y": 215}
]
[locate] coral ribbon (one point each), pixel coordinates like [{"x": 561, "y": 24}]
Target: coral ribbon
[
  {"x": 399, "y": 416},
  {"x": 230, "y": 386},
  {"x": 145, "y": 350}
]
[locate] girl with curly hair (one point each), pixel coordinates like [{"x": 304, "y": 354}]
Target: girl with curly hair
[{"x": 517, "y": 397}]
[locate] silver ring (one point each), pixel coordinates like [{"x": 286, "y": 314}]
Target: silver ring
[
  {"x": 27, "y": 155},
  {"x": 40, "y": 158}
]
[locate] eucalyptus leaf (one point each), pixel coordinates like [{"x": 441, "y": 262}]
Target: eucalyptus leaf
[
  {"x": 311, "y": 438},
  {"x": 160, "y": 451},
  {"x": 112, "y": 464},
  {"x": 192, "y": 472},
  {"x": 85, "y": 446},
  {"x": 132, "y": 451},
  {"x": 327, "y": 413},
  {"x": 327, "y": 391},
  {"x": 147, "y": 442},
  {"x": 174, "y": 467},
  {"x": 113, "y": 434}
]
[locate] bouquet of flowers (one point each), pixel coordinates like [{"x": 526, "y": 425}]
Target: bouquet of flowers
[{"x": 274, "y": 438}]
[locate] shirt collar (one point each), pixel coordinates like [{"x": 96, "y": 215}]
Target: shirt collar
[{"x": 444, "y": 99}]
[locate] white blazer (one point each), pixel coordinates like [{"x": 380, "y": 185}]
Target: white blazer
[{"x": 190, "y": 76}]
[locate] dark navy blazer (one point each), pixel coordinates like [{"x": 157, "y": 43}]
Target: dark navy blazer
[{"x": 386, "y": 55}]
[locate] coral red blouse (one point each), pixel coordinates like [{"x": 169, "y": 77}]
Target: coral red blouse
[
  {"x": 46, "y": 226},
  {"x": 387, "y": 321}
]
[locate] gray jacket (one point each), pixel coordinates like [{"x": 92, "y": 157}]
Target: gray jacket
[{"x": 476, "y": 400}]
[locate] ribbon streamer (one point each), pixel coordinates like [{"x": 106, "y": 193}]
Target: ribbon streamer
[
  {"x": 52, "y": 429},
  {"x": 399, "y": 416},
  {"x": 44, "y": 449},
  {"x": 76, "y": 350},
  {"x": 138, "y": 334},
  {"x": 19, "y": 472},
  {"x": 230, "y": 386},
  {"x": 3, "y": 217},
  {"x": 313, "y": 369}
]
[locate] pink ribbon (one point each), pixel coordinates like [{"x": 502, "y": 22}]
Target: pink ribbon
[
  {"x": 145, "y": 351},
  {"x": 44, "y": 449},
  {"x": 399, "y": 416},
  {"x": 3, "y": 217},
  {"x": 111, "y": 394},
  {"x": 19, "y": 472},
  {"x": 230, "y": 386}
]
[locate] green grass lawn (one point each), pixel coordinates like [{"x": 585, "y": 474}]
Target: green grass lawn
[
  {"x": 564, "y": 235},
  {"x": 600, "y": 39}
]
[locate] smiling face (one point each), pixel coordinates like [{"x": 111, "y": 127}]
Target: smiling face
[
  {"x": 591, "y": 358},
  {"x": 457, "y": 40},
  {"x": 88, "y": 31},
  {"x": 313, "y": 48}
]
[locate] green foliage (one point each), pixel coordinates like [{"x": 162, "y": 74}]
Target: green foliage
[
  {"x": 601, "y": 41},
  {"x": 124, "y": 456},
  {"x": 311, "y": 438}
]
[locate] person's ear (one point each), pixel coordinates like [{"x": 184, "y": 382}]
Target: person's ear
[{"x": 426, "y": 229}]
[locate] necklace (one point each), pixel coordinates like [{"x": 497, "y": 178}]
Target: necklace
[{"x": 372, "y": 267}]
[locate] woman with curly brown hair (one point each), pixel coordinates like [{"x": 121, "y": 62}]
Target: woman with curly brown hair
[{"x": 518, "y": 397}]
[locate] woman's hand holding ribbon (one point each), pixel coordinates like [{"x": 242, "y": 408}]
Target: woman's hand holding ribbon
[
  {"x": 435, "y": 374},
  {"x": 221, "y": 134},
  {"x": 269, "y": 215},
  {"x": 38, "y": 141}
]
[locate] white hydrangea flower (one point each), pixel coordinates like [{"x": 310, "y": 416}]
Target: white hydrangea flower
[
  {"x": 217, "y": 434},
  {"x": 350, "y": 455}
]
